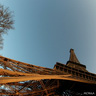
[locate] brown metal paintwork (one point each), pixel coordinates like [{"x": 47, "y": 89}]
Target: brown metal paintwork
[{"x": 31, "y": 80}]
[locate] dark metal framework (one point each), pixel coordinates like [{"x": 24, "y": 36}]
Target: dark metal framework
[
  {"x": 14, "y": 70},
  {"x": 22, "y": 79}
]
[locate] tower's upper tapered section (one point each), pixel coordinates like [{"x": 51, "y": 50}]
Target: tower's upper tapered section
[
  {"x": 73, "y": 57},
  {"x": 74, "y": 62}
]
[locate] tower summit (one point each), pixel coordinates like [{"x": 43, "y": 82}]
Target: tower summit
[
  {"x": 74, "y": 62},
  {"x": 73, "y": 57}
]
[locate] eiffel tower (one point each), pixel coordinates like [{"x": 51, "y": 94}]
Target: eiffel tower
[{"x": 22, "y": 79}]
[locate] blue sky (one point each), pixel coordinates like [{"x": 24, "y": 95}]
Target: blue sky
[{"x": 45, "y": 30}]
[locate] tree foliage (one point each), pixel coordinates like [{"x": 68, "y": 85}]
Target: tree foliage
[{"x": 6, "y": 22}]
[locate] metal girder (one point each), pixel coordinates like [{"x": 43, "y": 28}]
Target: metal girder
[{"x": 11, "y": 70}]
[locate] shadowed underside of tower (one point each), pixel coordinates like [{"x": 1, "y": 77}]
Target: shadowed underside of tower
[{"x": 22, "y": 79}]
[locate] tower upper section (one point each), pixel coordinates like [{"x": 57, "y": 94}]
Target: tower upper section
[{"x": 74, "y": 62}]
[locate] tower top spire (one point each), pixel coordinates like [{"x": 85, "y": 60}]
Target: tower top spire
[
  {"x": 74, "y": 62},
  {"x": 73, "y": 57}
]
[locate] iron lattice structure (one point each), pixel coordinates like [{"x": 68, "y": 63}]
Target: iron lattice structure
[{"x": 22, "y": 79}]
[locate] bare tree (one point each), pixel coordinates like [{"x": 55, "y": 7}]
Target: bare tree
[{"x": 6, "y": 22}]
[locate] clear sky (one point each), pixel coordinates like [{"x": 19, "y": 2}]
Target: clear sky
[{"x": 45, "y": 30}]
